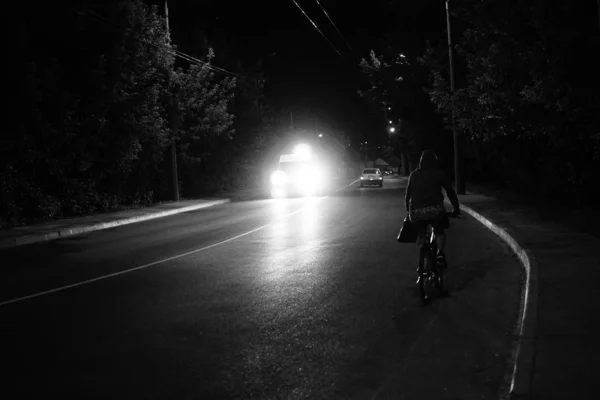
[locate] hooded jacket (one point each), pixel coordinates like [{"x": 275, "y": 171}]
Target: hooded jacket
[{"x": 425, "y": 185}]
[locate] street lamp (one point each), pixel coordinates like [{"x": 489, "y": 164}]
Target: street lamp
[
  {"x": 320, "y": 135},
  {"x": 392, "y": 129}
]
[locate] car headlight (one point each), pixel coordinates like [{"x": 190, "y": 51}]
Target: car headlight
[
  {"x": 362, "y": 177},
  {"x": 278, "y": 178}
]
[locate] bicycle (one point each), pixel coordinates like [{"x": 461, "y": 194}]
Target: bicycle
[{"x": 430, "y": 274}]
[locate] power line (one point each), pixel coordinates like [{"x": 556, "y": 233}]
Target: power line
[
  {"x": 187, "y": 56},
  {"x": 200, "y": 62},
  {"x": 317, "y": 28},
  {"x": 171, "y": 51},
  {"x": 336, "y": 28}
]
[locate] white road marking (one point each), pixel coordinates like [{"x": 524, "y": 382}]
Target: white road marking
[{"x": 87, "y": 281}]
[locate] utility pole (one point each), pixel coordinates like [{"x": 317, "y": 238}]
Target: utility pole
[
  {"x": 458, "y": 178},
  {"x": 173, "y": 123},
  {"x": 81, "y": 18},
  {"x": 598, "y": 2},
  {"x": 292, "y": 120}
]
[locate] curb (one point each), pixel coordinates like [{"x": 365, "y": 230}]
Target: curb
[
  {"x": 524, "y": 351},
  {"x": 77, "y": 230}
]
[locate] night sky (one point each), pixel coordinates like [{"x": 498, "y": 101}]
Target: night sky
[{"x": 304, "y": 71}]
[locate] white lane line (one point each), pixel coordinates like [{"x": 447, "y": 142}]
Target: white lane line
[{"x": 114, "y": 274}]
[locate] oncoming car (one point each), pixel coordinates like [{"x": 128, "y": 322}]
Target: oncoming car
[
  {"x": 371, "y": 176},
  {"x": 298, "y": 174}
]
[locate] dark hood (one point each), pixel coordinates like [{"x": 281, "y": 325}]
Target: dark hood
[{"x": 428, "y": 160}]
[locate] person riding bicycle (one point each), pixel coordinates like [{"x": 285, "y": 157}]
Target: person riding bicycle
[{"x": 424, "y": 201}]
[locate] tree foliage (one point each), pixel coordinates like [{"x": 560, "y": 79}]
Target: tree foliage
[
  {"x": 202, "y": 108},
  {"x": 529, "y": 97},
  {"x": 395, "y": 90},
  {"x": 526, "y": 96},
  {"x": 96, "y": 114}
]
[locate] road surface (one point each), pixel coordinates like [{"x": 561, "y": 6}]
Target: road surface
[{"x": 269, "y": 299}]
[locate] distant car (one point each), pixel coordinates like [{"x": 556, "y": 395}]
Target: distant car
[{"x": 371, "y": 176}]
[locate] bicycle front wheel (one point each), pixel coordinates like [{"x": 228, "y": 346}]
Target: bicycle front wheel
[{"x": 423, "y": 277}]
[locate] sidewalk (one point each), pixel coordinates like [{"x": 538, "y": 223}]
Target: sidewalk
[
  {"x": 61, "y": 228},
  {"x": 557, "y": 346},
  {"x": 74, "y": 226}
]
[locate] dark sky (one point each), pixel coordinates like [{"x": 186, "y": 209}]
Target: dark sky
[{"x": 305, "y": 72}]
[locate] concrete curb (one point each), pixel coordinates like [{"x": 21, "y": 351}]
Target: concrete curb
[
  {"x": 524, "y": 351},
  {"x": 77, "y": 230}
]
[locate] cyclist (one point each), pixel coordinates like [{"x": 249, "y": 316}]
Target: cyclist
[{"x": 424, "y": 202}]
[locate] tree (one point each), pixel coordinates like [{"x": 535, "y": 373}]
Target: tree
[
  {"x": 236, "y": 157},
  {"x": 132, "y": 119},
  {"x": 395, "y": 90},
  {"x": 527, "y": 94},
  {"x": 91, "y": 132},
  {"x": 91, "y": 112},
  {"x": 254, "y": 122},
  {"x": 203, "y": 103}
]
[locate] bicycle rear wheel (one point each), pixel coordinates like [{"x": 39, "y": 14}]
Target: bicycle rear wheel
[
  {"x": 427, "y": 276},
  {"x": 422, "y": 288},
  {"x": 439, "y": 280}
]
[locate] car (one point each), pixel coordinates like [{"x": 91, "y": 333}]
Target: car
[
  {"x": 298, "y": 174},
  {"x": 371, "y": 176}
]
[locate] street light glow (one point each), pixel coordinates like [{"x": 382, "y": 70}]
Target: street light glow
[
  {"x": 391, "y": 121},
  {"x": 392, "y": 129},
  {"x": 320, "y": 135}
]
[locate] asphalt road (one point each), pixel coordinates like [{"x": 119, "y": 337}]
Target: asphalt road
[{"x": 270, "y": 299}]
